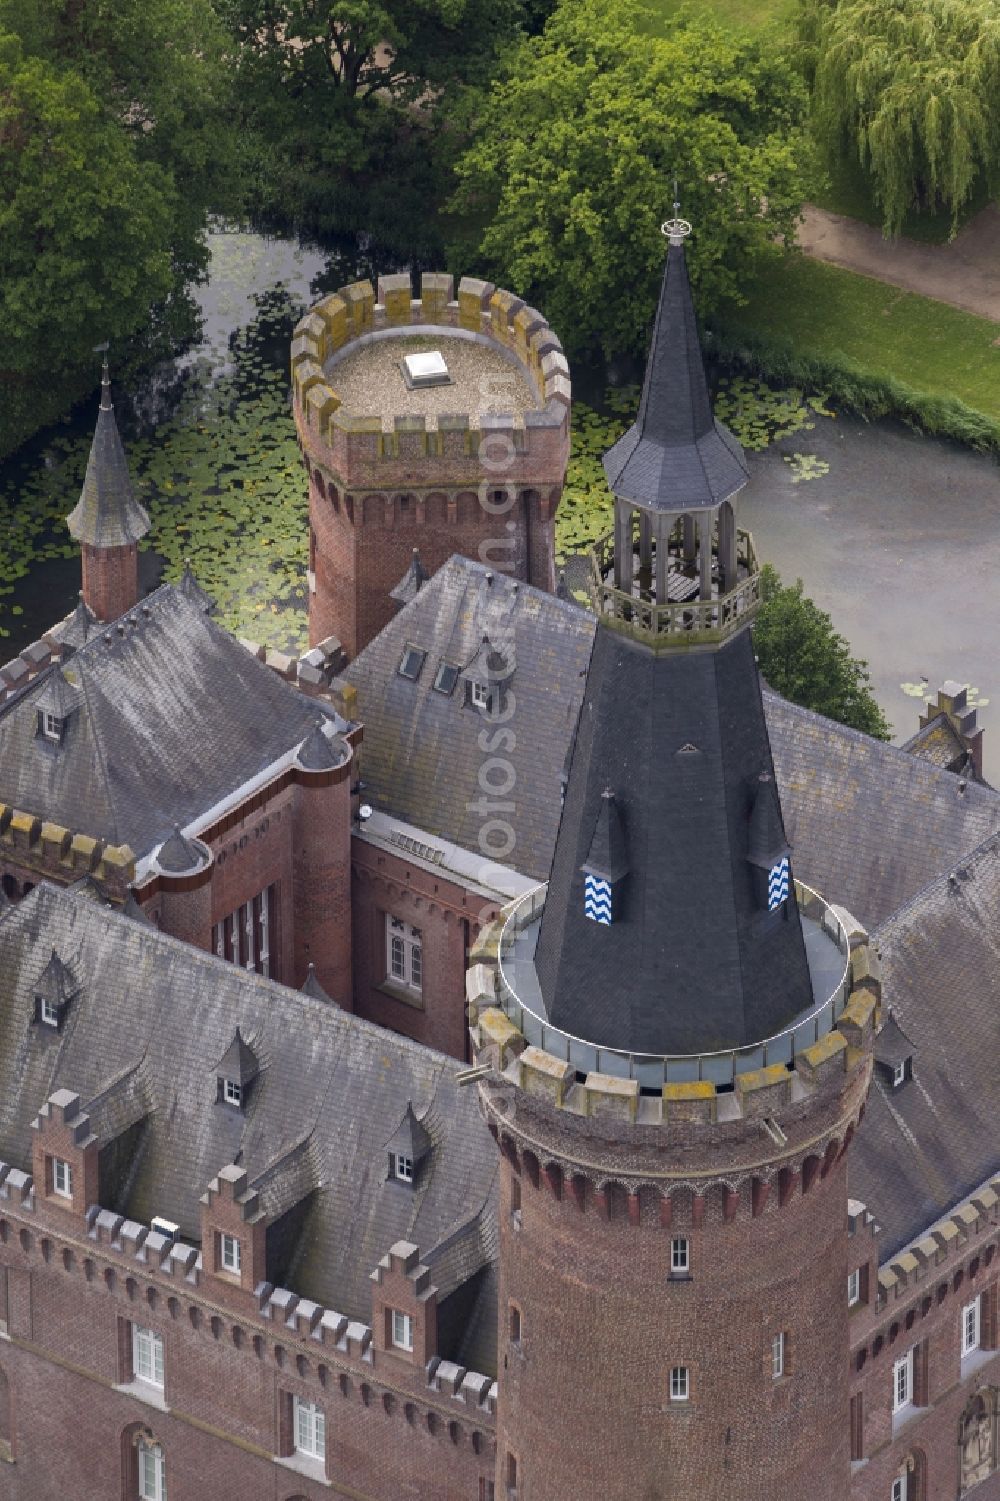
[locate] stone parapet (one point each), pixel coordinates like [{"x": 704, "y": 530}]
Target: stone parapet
[{"x": 40, "y": 849}]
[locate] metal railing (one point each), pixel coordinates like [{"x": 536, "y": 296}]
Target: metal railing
[
  {"x": 686, "y": 625},
  {"x": 654, "y": 1070}
]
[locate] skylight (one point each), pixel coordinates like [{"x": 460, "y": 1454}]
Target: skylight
[
  {"x": 413, "y": 661},
  {"x": 425, "y": 370}
]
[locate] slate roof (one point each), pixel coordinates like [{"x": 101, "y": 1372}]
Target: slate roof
[
  {"x": 173, "y": 715},
  {"x": 676, "y": 456},
  {"x": 107, "y": 513},
  {"x": 330, "y": 1094},
  {"x": 412, "y": 581},
  {"x": 421, "y": 759},
  {"x": 692, "y": 959},
  {"x": 939, "y": 743},
  {"x": 926, "y": 1145},
  {"x": 869, "y": 825}
]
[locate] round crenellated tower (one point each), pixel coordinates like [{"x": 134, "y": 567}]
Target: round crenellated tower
[
  {"x": 439, "y": 424},
  {"x": 673, "y": 1038}
]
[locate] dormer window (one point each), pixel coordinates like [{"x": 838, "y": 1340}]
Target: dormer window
[
  {"x": 48, "y": 1011},
  {"x": 235, "y": 1073},
  {"x": 486, "y": 677},
  {"x": 54, "y": 990},
  {"x": 893, "y": 1054},
  {"x": 55, "y": 703},
  {"x": 402, "y": 1167},
  {"x": 899, "y": 1074},
  {"x": 407, "y": 1148},
  {"x": 413, "y": 661},
  {"x": 479, "y": 695},
  {"x": 445, "y": 678},
  {"x": 51, "y": 725}
]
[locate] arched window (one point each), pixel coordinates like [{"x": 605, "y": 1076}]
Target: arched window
[{"x": 144, "y": 1469}]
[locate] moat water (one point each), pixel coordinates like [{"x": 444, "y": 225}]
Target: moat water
[{"x": 896, "y": 535}]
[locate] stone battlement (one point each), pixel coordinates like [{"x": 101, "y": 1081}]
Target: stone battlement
[
  {"x": 41, "y": 849},
  {"x": 355, "y": 447}
]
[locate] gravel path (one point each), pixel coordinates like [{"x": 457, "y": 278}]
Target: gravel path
[{"x": 965, "y": 272}]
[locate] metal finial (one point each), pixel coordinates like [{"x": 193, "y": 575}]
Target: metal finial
[
  {"x": 677, "y": 201},
  {"x": 105, "y": 375},
  {"x": 675, "y": 229}
]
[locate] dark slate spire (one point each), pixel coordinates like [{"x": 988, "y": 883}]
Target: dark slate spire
[
  {"x": 56, "y": 983},
  {"x": 675, "y": 457},
  {"x": 107, "y": 513},
  {"x": 311, "y": 987},
  {"x": 177, "y": 854},
  {"x": 192, "y": 590},
  {"x": 78, "y": 629},
  {"x": 57, "y": 697},
  {"x": 412, "y": 581},
  {"x": 681, "y": 954}
]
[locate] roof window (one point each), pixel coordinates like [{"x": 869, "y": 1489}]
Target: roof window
[
  {"x": 235, "y": 1072},
  {"x": 413, "y": 661},
  {"x": 54, "y": 990},
  {"x": 446, "y": 677}
]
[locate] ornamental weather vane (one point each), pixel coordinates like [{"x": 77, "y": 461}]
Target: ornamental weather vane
[{"x": 676, "y": 229}]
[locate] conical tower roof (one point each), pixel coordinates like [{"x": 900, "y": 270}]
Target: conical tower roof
[
  {"x": 676, "y": 456},
  {"x": 107, "y": 513},
  {"x": 685, "y": 955}
]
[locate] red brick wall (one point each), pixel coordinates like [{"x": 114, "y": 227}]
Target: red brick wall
[
  {"x": 226, "y": 1381},
  {"x": 110, "y": 580},
  {"x": 603, "y": 1323},
  {"x": 322, "y": 881},
  {"x": 446, "y": 914}
]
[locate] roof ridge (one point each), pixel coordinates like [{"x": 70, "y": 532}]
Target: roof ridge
[{"x": 988, "y": 845}]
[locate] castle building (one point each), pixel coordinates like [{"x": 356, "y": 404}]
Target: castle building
[{"x": 507, "y": 1052}]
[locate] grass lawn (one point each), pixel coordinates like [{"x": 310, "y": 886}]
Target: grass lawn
[
  {"x": 849, "y": 193},
  {"x": 750, "y": 13},
  {"x": 826, "y": 311}
]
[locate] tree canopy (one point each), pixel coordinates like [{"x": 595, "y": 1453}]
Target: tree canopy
[
  {"x": 803, "y": 658},
  {"x": 572, "y": 167},
  {"x": 113, "y": 151},
  {"x": 914, "y": 87}
]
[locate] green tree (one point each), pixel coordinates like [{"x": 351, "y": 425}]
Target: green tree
[
  {"x": 114, "y": 148},
  {"x": 913, "y": 86},
  {"x": 803, "y": 658},
  {"x": 572, "y": 168},
  {"x": 346, "y": 107}
]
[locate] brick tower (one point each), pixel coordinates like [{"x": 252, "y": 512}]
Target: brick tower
[
  {"x": 435, "y": 423},
  {"x": 675, "y": 1035},
  {"x": 107, "y": 520}
]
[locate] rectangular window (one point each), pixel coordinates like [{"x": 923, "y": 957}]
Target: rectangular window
[
  {"x": 445, "y": 678},
  {"x": 152, "y": 1472},
  {"x": 680, "y": 1258},
  {"x": 233, "y": 1093},
  {"x": 402, "y": 1330},
  {"x": 62, "y": 1178},
  {"x": 777, "y": 1357},
  {"x": 899, "y": 1074},
  {"x": 971, "y": 1320},
  {"x": 899, "y": 1488},
  {"x": 680, "y": 1385},
  {"x": 230, "y": 1253},
  {"x": 147, "y": 1356},
  {"x": 479, "y": 695},
  {"x": 515, "y": 1324},
  {"x": 49, "y": 1012},
  {"x": 412, "y": 662},
  {"x": 244, "y": 937},
  {"x": 902, "y": 1382},
  {"x": 404, "y": 958},
  {"x": 853, "y": 1287},
  {"x": 402, "y": 1167},
  {"x": 310, "y": 1428},
  {"x": 51, "y": 726},
  {"x": 3, "y": 1300}
]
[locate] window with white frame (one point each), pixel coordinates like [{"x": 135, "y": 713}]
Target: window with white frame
[
  {"x": 902, "y": 1382},
  {"x": 479, "y": 695},
  {"x": 229, "y": 1253},
  {"x": 777, "y": 1357},
  {"x": 52, "y": 726},
  {"x": 854, "y": 1287},
  {"x": 309, "y": 1425},
  {"x": 402, "y": 1330},
  {"x": 680, "y": 1254},
  {"x": 971, "y": 1320},
  {"x": 62, "y": 1178},
  {"x": 48, "y": 1012},
  {"x": 404, "y": 959},
  {"x": 680, "y": 1384},
  {"x": 232, "y": 1092},
  {"x": 402, "y": 1167},
  {"x": 147, "y": 1356},
  {"x": 899, "y": 1488},
  {"x": 899, "y": 1074},
  {"x": 244, "y": 937},
  {"x": 152, "y": 1472}
]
